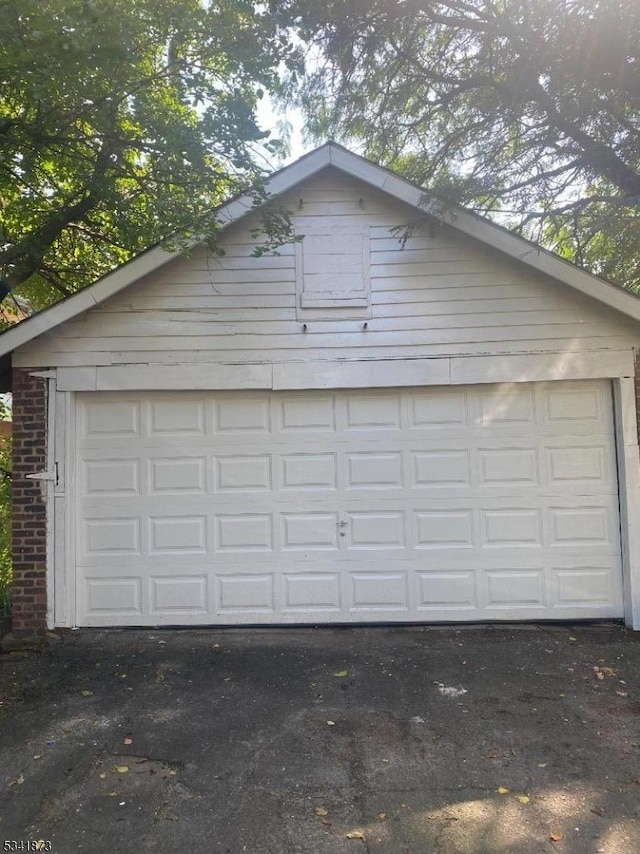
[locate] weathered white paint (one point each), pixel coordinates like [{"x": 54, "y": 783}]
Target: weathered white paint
[
  {"x": 374, "y": 177},
  {"x": 377, "y": 373},
  {"x": 629, "y": 479},
  {"x": 542, "y": 366},
  {"x": 237, "y": 309}
]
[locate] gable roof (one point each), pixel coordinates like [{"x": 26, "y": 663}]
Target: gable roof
[{"x": 332, "y": 154}]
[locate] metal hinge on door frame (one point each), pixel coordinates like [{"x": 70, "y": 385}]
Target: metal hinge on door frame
[{"x": 45, "y": 477}]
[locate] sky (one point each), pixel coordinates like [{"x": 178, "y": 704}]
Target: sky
[{"x": 269, "y": 116}]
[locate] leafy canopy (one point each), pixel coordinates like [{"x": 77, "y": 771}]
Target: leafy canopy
[
  {"x": 524, "y": 109},
  {"x": 121, "y": 122}
]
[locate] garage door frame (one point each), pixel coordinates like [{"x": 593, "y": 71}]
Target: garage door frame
[{"x": 61, "y": 501}]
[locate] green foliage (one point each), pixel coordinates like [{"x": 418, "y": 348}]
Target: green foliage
[
  {"x": 123, "y": 122},
  {"x": 525, "y": 110}
]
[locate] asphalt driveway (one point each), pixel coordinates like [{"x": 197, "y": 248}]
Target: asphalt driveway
[{"x": 394, "y": 740}]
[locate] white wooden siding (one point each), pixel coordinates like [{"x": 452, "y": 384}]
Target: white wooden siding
[{"x": 442, "y": 295}]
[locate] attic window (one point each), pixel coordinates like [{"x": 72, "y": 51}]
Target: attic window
[{"x": 332, "y": 268}]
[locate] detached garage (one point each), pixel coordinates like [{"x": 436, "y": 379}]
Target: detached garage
[{"x": 352, "y": 429}]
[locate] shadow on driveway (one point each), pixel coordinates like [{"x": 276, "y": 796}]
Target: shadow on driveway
[{"x": 395, "y": 740}]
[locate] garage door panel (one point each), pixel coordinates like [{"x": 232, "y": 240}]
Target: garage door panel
[
  {"x": 309, "y": 471},
  {"x": 514, "y": 588},
  {"x": 310, "y": 531},
  {"x": 312, "y": 592},
  {"x": 440, "y": 467},
  {"x": 443, "y": 529},
  {"x": 376, "y": 592},
  {"x": 586, "y": 587},
  {"x": 111, "y": 418},
  {"x": 302, "y": 415},
  {"x": 487, "y": 502},
  {"x": 167, "y": 420},
  {"x": 573, "y": 404},
  {"x": 366, "y": 412},
  {"x": 177, "y": 475},
  {"x": 499, "y": 406},
  {"x": 437, "y": 410},
  {"x": 243, "y": 472},
  {"x": 251, "y": 594},
  {"x": 242, "y": 414},
  {"x": 178, "y": 595}
]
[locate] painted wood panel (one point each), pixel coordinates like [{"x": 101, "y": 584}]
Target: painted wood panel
[{"x": 441, "y": 295}]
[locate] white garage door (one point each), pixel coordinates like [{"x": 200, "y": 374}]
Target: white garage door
[{"x": 475, "y": 503}]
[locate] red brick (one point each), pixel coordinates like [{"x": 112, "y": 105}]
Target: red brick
[{"x": 29, "y": 606}]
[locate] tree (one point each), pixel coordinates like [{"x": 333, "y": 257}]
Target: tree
[
  {"x": 122, "y": 122},
  {"x": 524, "y": 109}
]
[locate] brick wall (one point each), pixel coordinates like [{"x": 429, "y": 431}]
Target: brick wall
[{"x": 29, "y": 596}]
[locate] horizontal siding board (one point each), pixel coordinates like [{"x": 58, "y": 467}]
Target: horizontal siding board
[
  {"x": 347, "y": 340},
  {"x": 201, "y": 289},
  {"x": 472, "y": 306},
  {"x": 164, "y": 356},
  {"x": 223, "y": 275},
  {"x": 431, "y": 269},
  {"x": 382, "y": 253},
  {"x": 445, "y": 294},
  {"x": 240, "y": 245},
  {"x": 143, "y": 327},
  {"x": 243, "y": 356},
  {"x": 215, "y": 301},
  {"x": 453, "y": 280},
  {"x": 436, "y": 248},
  {"x": 438, "y": 294},
  {"x": 126, "y": 317}
]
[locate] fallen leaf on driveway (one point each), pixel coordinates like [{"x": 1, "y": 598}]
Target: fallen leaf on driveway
[
  {"x": 321, "y": 811},
  {"x": 103, "y": 776},
  {"x": 492, "y": 753},
  {"x": 382, "y": 816},
  {"x": 355, "y": 834},
  {"x": 601, "y": 672},
  {"x": 341, "y": 673},
  {"x": 502, "y": 790},
  {"x": 524, "y": 799},
  {"x": 87, "y": 693},
  {"x": 556, "y": 836},
  {"x": 331, "y": 723},
  {"x": 17, "y": 782},
  {"x": 122, "y": 769},
  {"x": 128, "y": 741}
]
